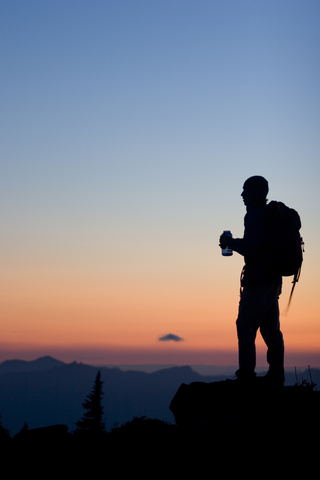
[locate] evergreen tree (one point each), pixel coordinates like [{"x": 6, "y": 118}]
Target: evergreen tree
[{"x": 92, "y": 423}]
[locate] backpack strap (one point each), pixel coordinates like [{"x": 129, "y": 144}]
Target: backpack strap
[
  {"x": 295, "y": 280},
  {"x": 241, "y": 277}
]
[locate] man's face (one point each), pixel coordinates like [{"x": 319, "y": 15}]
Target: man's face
[{"x": 245, "y": 196}]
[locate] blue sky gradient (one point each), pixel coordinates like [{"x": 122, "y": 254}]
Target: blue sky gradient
[{"x": 127, "y": 131}]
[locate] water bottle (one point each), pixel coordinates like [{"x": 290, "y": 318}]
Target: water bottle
[{"x": 227, "y": 252}]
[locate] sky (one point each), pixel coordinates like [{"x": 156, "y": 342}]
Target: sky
[{"x": 128, "y": 128}]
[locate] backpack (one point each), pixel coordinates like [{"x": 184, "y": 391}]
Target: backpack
[{"x": 284, "y": 245}]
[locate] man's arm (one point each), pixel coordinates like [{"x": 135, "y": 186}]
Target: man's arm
[
  {"x": 236, "y": 244},
  {"x": 250, "y": 244}
]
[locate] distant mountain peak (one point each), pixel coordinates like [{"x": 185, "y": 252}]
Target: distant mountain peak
[{"x": 41, "y": 363}]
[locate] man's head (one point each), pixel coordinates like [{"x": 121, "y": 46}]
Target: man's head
[{"x": 255, "y": 191}]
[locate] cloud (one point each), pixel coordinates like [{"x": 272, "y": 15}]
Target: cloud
[{"x": 170, "y": 336}]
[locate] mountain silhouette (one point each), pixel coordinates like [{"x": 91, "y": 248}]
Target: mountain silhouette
[
  {"x": 47, "y": 392},
  {"x": 46, "y": 396},
  {"x": 42, "y": 363},
  {"x": 170, "y": 422}
]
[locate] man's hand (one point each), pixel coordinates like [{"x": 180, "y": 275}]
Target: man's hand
[{"x": 225, "y": 241}]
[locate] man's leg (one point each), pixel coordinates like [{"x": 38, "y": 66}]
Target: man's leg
[
  {"x": 247, "y": 326},
  {"x": 259, "y": 307},
  {"x": 271, "y": 334}
]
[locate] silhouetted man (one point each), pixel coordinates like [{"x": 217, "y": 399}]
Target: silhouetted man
[{"x": 259, "y": 305}]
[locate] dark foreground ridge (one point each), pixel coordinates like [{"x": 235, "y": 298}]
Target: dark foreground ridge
[{"x": 221, "y": 427}]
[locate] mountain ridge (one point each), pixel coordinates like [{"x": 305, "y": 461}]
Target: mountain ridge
[
  {"x": 54, "y": 394},
  {"x": 42, "y": 363}
]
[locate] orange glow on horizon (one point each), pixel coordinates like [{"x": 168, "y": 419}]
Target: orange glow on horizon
[{"x": 125, "y": 316}]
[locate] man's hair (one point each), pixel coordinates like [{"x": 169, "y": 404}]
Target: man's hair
[{"x": 257, "y": 186}]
